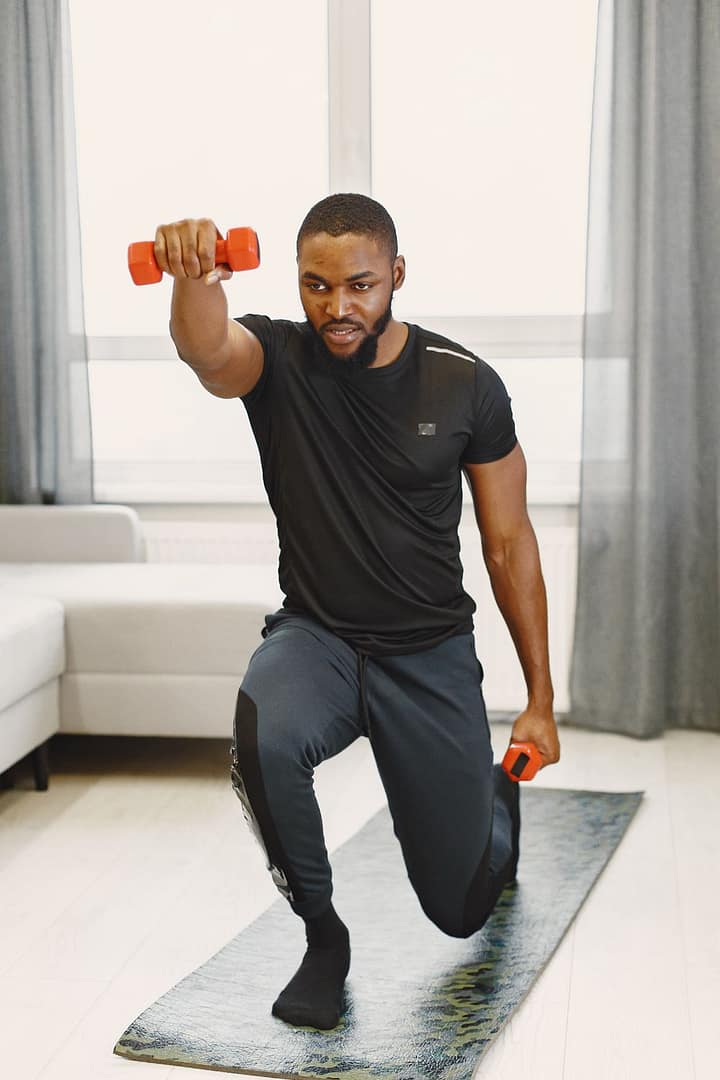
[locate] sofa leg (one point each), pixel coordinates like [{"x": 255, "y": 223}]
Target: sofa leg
[
  {"x": 41, "y": 766},
  {"x": 7, "y": 779}
]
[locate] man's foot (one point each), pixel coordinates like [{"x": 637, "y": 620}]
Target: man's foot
[
  {"x": 509, "y": 792},
  {"x": 313, "y": 997}
]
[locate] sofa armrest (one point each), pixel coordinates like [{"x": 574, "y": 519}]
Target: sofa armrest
[{"x": 95, "y": 533}]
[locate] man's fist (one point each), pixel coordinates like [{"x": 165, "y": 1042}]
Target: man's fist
[
  {"x": 186, "y": 249},
  {"x": 538, "y": 727}
]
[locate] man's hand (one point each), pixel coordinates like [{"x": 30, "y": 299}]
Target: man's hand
[
  {"x": 186, "y": 249},
  {"x": 538, "y": 726}
]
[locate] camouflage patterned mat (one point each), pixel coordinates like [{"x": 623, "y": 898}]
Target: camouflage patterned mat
[{"x": 420, "y": 1005}]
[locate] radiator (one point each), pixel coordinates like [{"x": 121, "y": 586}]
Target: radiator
[{"x": 256, "y": 542}]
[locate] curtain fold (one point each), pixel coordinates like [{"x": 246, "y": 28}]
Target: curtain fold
[
  {"x": 647, "y": 632},
  {"x": 45, "y": 426}
]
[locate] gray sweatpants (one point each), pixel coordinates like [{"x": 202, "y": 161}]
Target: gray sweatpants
[{"x": 306, "y": 696}]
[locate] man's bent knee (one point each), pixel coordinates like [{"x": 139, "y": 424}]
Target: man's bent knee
[
  {"x": 461, "y": 916},
  {"x": 450, "y": 921},
  {"x": 464, "y": 920}
]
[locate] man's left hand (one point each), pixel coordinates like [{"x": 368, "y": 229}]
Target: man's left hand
[{"x": 538, "y": 726}]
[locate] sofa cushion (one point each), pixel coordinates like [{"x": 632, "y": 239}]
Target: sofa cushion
[
  {"x": 160, "y": 704},
  {"x": 32, "y": 648},
  {"x": 172, "y": 618},
  {"x": 77, "y": 534}
]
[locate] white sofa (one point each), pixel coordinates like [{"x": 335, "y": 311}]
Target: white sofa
[{"x": 95, "y": 639}]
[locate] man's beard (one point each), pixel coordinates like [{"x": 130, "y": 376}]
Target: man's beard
[{"x": 366, "y": 351}]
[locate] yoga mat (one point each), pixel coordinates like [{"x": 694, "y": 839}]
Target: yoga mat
[{"x": 420, "y": 1005}]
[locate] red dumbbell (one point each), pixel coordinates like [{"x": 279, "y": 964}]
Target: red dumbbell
[
  {"x": 522, "y": 760},
  {"x": 240, "y": 251}
]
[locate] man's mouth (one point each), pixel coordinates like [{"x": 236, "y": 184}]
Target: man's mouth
[{"x": 341, "y": 335}]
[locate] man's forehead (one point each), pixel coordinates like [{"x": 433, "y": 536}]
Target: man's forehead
[{"x": 347, "y": 250}]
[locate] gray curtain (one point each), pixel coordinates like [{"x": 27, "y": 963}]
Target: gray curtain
[
  {"x": 45, "y": 430},
  {"x": 647, "y": 635}
]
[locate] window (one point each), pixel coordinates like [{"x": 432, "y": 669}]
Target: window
[
  {"x": 480, "y": 141},
  {"x": 470, "y": 121}
]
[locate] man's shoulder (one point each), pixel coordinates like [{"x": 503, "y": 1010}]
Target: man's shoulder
[
  {"x": 264, "y": 326},
  {"x": 454, "y": 356},
  {"x": 284, "y": 342},
  {"x": 436, "y": 345},
  {"x": 284, "y": 346}
]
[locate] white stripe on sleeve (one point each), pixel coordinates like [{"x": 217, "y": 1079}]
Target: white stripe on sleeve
[{"x": 432, "y": 348}]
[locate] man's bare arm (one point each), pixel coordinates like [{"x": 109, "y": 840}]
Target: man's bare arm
[
  {"x": 226, "y": 357},
  {"x": 511, "y": 555}
]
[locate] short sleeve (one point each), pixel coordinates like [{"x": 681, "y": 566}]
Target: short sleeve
[
  {"x": 493, "y": 435},
  {"x": 270, "y": 335}
]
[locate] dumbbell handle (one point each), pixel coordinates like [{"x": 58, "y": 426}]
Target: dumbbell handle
[
  {"x": 221, "y": 255},
  {"x": 522, "y": 760}
]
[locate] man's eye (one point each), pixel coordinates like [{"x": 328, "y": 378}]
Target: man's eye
[
  {"x": 363, "y": 286},
  {"x": 315, "y": 286}
]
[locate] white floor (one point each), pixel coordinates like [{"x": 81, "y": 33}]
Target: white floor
[{"x": 136, "y": 866}]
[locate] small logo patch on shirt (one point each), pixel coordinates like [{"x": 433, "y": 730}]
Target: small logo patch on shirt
[{"x": 426, "y": 429}]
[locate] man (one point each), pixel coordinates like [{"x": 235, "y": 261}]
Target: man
[{"x": 364, "y": 425}]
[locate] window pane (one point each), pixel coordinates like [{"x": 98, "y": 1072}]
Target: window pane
[
  {"x": 481, "y": 132},
  {"x": 187, "y": 110},
  {"x": 159, "y": 436}
]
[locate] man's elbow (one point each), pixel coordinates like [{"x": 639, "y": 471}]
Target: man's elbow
[
  {"x": 497, "y": 557},
  {"x": 501, "y": 551}
]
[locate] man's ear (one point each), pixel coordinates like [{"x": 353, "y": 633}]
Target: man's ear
[{"x": 398, "y": 272}]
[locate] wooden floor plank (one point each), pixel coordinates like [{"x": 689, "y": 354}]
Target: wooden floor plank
[
  {"x": 64, "y": 877},
  {"x": 628, "y": 1005},
  {"x": 694, "y": 799},
  {"x": 37, "y": 1014},
  {"x": 86, "y": 1053}
]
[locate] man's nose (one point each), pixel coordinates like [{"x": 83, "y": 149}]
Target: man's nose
[{"x": 339, "y": 304}]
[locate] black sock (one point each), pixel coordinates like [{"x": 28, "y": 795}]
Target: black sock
[{"x": 313, "y": 997}]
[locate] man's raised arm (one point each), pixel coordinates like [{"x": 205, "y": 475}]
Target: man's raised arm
[{"x": 226, "y": 357}]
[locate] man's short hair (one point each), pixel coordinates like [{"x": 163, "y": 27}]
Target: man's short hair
[{"x": 350, "y": 213}]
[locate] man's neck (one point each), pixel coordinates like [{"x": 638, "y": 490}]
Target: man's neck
[{"x": 390, "y": 343}]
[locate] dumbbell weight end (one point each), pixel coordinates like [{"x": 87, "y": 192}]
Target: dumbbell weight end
[{"x": 522, "y": 761}]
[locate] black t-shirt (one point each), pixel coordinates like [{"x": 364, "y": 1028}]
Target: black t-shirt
[{"x": 363, "y": 471}]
